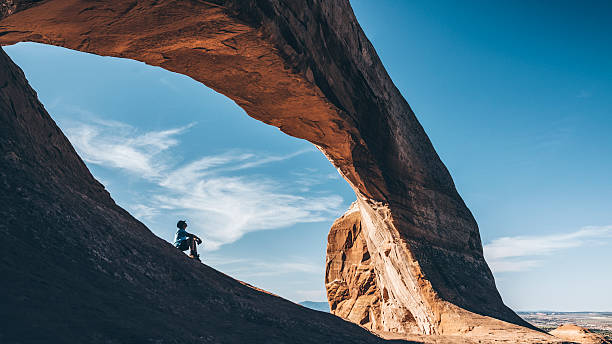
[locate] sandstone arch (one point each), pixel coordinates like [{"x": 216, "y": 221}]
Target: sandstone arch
[{"x": 308, "y": 69}]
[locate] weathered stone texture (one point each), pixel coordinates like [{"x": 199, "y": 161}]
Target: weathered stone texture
[
  {"x": 308, "y": 68},
  {"x": 349, "y": 275},
  {"x": 76, "y": 268}
]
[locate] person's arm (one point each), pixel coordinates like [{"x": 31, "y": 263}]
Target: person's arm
[{"x": 195, "y": 237}]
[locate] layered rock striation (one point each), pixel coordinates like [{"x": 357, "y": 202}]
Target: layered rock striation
[
  {"x": 350, "y": 278},
  {"x": 408, "y": 255}
]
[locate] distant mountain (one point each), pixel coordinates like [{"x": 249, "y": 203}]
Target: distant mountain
[{"x": 317, "y": 306}]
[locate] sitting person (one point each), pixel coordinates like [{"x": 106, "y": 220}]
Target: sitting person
[{"x": 186, "y": 241}]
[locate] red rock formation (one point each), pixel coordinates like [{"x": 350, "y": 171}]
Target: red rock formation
[
  {"x": 307, "y": 68},
  {"x": 353, "y": 287},
  {"x": 76, "y": 268},
  {"x": 350, "y": 278}
]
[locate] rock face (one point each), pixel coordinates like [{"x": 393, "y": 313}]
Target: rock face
[
  {"x": 350, "y": 278},
  {"x": 307, "y": 68},
  {"x": 76, "y": 267},
  {"x": 353, "y": 288}
]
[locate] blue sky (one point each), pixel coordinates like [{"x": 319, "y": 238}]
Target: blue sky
[{"x": 515, "y": 96}]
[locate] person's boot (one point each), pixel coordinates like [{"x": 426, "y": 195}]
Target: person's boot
[{"x": 194, "y": 255}]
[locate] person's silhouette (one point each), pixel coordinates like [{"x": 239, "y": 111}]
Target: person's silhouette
[{"x": 186, "y": 241}]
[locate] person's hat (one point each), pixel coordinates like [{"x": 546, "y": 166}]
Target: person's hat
[{"x": 181, "y": 224}]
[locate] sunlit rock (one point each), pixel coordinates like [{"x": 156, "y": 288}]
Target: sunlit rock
[
  {"x": 408, "y": 255},
  {"x": 578, "y": 334}
]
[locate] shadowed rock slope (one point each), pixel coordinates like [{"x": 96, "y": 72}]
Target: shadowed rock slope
[
  {"x": 77, "y": 268},
  {"x": 307, "y": 68}
]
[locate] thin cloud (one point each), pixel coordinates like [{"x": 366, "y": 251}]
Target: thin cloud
[
  {"x": 142, "y": 211},
  {"x": 309, "y": 177},
  {"x": 249, "y": 268},
  {"x": 229, "y": 207},
  {"x": 270, "y": 159},
  {"x": 215, "y": 193},
  {"x": 168, "y": 84},
  {"x": 117, "y": 145},
  {"x": 312, "y": 295},
  {"x": 521, "y": 252},
  {"x": 183, "y": 177}
]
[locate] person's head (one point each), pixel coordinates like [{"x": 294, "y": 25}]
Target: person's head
[{"x": 181, "y": 224}]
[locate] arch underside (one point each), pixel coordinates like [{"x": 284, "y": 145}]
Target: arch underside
[{"x": 308, "y": 69}]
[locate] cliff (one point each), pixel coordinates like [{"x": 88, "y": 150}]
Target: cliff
[
  {"x": 76, "y": 268},
  {"x": 304, "y": 67}
]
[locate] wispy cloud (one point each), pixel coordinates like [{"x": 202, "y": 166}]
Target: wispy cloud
[
  {"x": 312, "y": 295},
  {"x": 521, "y": 253},
  {"x": 249, "y": 268},
  {"x": 115, "y": 144},
  {"x": 309, "y": 177},
  {"x": 230, "y": 206},
  {"x": 215, "y": 192},
  {"x": 142, "y": 211},
  {"x": 164, "y": 81}
]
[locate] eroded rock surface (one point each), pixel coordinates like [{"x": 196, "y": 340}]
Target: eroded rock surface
[
  {"x": 307, "y": 68},
  {"x": 76, "y": 268},
  {"x": 350, "y": 279},
  {"x": 353, "y": 287}
]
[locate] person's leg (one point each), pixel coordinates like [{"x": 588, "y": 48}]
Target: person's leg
[
  {"x": 184, "y": 246},
  {"x": 193, "y": 252}
]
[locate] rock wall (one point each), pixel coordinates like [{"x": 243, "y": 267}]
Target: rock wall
[
  {"x": 76, "y": 268},
  {"x": 307, "y": 68},
  {"x": 354, "y": 288},
  {"x": 350, "y": 278}
]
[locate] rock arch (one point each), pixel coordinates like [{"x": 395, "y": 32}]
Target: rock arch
[{"x": 308, "y": 69}]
